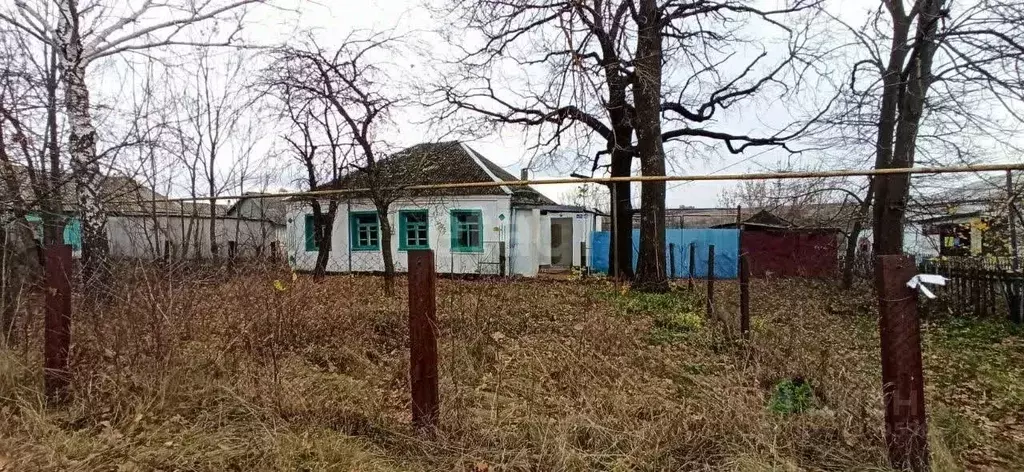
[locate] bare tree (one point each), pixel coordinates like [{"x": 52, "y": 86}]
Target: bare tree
[
  {"x": 317, "y": 140},
  {"x": 359, "y": 92},
  {"x": 83, "y": 33},
  {"x": 943, "y": 63},
  {"x": 218, "y": 106},
  {"x": 589, "y": 196},
  {"x": 584, "y": 51}
]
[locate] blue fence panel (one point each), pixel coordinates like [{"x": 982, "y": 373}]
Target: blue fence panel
[
  {"x": 599, "y": 242},
  {"x": 726, "y": 243}
]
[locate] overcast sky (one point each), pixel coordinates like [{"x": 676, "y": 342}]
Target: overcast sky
[
  {"x": 510, "y": 149},
  {"x": 329, "y": 20}
]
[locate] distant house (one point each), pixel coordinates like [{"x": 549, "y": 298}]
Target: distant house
[
  {"x": 142, "y": 223},
  {"x": 969, "y": 220},
  {"x": 464, "y": 226},
  {"x": 271, "y": 210}
]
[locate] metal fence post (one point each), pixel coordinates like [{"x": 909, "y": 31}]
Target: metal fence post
[
  {"x": 167, "y": 250},
  {"x": 501, "y": 258},
  {"x": 273, "y": 252},
  {"x": 583, "y": 259},
  {"x": 57, "y": 332},
  {"x": 423, "y": 338},
  {"x": 906, "y": 430},
  {"x": 711, "y": 280},
  {"x": 744, "y": 295},
  {"x": 693, "y": 262},
  {"x": 672, "y": 260}
]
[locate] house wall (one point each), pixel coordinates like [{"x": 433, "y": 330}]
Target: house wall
[
  {"x": 525, "y": 242},
  {"x": 915, "y": 242},
  {"x": 525, "y": 231},
  {"x": 582, "y": 227},
  {"x": 344, "y": 259},
  {"x": 144, "y": 236}
]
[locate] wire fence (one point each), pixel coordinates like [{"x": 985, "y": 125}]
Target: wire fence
[{"x": 235, "y": 279}]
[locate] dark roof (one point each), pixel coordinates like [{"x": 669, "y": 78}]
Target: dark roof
[
  {"x": 270, "y": 208},
  {"x": 449, "y": 162},
  {"x": 762, "y": 219}
]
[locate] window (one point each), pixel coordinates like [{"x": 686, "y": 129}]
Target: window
[
  {"x": 311, "y": 244},
  {"x": 364, "y": 229},
  {"x": 467, "y": 231},
  {"x": 412, "y": 230}
]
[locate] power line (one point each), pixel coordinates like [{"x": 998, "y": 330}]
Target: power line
[{"x": 637, "y": 178}]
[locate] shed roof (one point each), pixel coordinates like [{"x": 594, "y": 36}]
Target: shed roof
[{"x": 119, "y": 193}]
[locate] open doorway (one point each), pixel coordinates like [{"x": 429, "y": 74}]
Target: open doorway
[{"x": 561, "y": 242}]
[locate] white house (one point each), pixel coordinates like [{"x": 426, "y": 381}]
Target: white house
[{"x": 464, "y": 227}]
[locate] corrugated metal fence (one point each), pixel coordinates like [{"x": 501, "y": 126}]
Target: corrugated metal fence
[{"x": 678, "y": 242}]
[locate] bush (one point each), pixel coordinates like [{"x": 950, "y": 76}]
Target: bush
[{"x": 792, "y": 396}]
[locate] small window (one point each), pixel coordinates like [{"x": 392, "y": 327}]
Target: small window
[
  {"x": 413, "y": 229},
  {"x": 311, "y": 244},
  {"x": 365, "y": 231},
  {"x": 467, "y": 231}
]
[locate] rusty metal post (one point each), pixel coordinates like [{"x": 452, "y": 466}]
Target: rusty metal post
[
  {"x": 744, "y": 295},
  {"x": 583, "y": 260},
  {"x": 57, "y": 333},
  {"x": 671, "y": 260},
  {"x": 906, "y": 430},
  {"x": 501, "y": 258},
  {"x": 423, "y": 338},
  {"x": 273, "y": 252},
  {"x": 693, "y": 263},
  {"x": 711, "y": 280}
]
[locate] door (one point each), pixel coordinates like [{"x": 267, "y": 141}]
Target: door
[{"x": 561, "y": 242}]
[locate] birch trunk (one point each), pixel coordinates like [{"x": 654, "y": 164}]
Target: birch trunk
[{"x": 85, "y": 168}]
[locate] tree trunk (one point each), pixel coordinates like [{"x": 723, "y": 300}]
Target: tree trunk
[
  {"x": 620, "y": 248},
  {"x": 892, "y": 192},
  {"x": 650, "y": 274},
  {"x": 323, "y": 232},
  {"x": 385, "y": 248},
  {"x": 850, "y": 261},
  {"x": 82, "y": 146},
  {"x": 214, "y": 250},
  {"x": 51, "y": 198}
]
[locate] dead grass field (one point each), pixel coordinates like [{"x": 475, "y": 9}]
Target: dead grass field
[{"x": 230, "y": 373}]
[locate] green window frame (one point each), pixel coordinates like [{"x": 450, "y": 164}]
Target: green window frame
[
  {"x": 467, "y": 231},
  {"x": 364, "y": 231},
  {"x": 310, "y": 233},
  {"x": 413, "y": 230}
]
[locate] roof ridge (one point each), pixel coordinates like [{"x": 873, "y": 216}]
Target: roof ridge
[{"x": 478, "y": 160}]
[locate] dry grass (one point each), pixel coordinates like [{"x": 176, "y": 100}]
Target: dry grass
[{"x": 203, "y": 373}]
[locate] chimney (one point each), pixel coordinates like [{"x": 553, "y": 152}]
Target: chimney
[{"x": 524, "y": 174}]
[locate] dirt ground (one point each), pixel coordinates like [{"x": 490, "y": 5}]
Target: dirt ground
[{"x": 270, "y": 371}]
